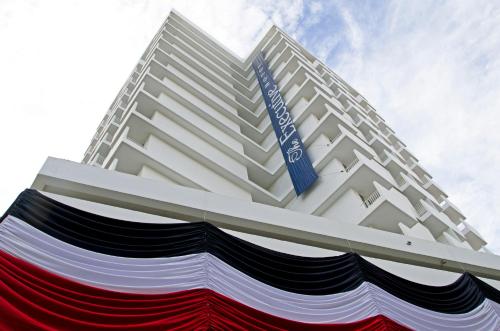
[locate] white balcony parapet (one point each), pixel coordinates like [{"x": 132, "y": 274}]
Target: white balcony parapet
[
  {"x": 360, "y": 174},
  {"x": 401, "y": 182},
  {"x": 336, "y": 137},
  {"x": 426, "y": 181},
  {"x": 453, "y": 212},
  {"x": 412, "y": 163},
  {"x": 369, "y": 137},
  {"x": 383, "y": 156},
  {"x": 371, "y": 198},
  {"x": 393, "y": 162},
  {"x": 356, "y": 120},
  {"x": 420, "y": 209},
  {"x": 473, "y": 237},
  {"x": 421, "y": 172},
  {"x": 436, "y": 221},
  {"x": 386, "y": 208},
  {"x": 97, "y": 160},
  {"x": 433, "y": 188},
  {"x": 108, "y": 138},
  {"x": 351, "y": 164},
  {"x": 413, "y": 190}
]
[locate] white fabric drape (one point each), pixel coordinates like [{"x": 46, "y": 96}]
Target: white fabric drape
[{"x": 203, "y": 270}]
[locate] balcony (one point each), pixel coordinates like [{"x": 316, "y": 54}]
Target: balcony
[
  {"x": 376, "y": 118},
  {"x": 97, "y": 160},
  {"x": 370, "y": 200},
  {"x": 335, "y": 88},
  {"x": 327, "y": 125},
  {"x": 382, "y": 125},
  {"x": 387, "y": 131},
  {"x": 433, "y": 188},
  {"x": 406, "y": 154},
  {"x": 452, "y": 211},
  {"x": 364, "y": 125},
  {"x": 341, "y": 142},
  {"x": 362, "y": 101},
  {"x": 344, "y": 98},
  {"x": 358, "y": 173},
  {"x": 392, "y": 138},
  {"x": 377, "y": 142},
  {"x": 393, "y": 163},
  {"x": 473, "y": 237},
  {"x": 435, "y": 221},
  {"x": 384, "y": 209},
  {"x": 353, "y": 110},
  {"x": 399, "y": 146},
  {"x": 412, "y": 190},
  {"x": 418, "y": 169}
]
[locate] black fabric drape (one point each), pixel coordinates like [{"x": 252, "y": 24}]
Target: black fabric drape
[{"x": 305, "y": 275}]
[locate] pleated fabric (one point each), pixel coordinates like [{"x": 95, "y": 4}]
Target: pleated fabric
[
  {"x": 31, "y": 298},
  {"x": 173, "y": 260},
  {"x": 203, "y": 270}
]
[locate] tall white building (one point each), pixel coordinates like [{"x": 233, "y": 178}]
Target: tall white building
[
  {"x": 201, "y": 149},
  {"x": 189, "y": 138}
]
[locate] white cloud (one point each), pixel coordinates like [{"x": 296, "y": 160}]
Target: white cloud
[
  {"x": 433, "y": 73},
  {"x": 315, "y": 7},
  {"x": 353, "y": 31},
  {"x": 324, "y": 49}
]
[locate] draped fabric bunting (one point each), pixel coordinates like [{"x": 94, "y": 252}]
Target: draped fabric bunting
[
  {"x": 65, "y": 268},
  {"x": 33, "y": 298}
]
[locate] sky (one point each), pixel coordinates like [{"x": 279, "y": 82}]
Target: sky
[{"x": 430, "y": 68}]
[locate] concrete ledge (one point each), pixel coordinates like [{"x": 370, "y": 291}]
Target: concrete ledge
[{"x": 154, "y": 197}]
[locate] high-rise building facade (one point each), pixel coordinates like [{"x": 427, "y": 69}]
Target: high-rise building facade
[
  {"x": 192, "y": 114},
  {"x": 189, "y": 138}
]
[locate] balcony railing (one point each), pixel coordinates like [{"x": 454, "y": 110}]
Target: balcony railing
[
  {"x": 351, "y": 165},
  {"x": 108, "y": 138},
  {"x": 356, "y": 119},
  {"x": 383, "y": 156},
  {"x": 420, "y": 209},
  {"x": 369, "y": 137},
  {"x": 412, "y": 163},
  {"x": 98, "y": 160},
  {"x": 370, "y": 200},
  {"x": 335, "y": 138},
  {"x": 401, "y": 181}
]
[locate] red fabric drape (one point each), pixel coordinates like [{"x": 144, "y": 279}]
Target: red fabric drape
[{"x": 32, "y": 298}]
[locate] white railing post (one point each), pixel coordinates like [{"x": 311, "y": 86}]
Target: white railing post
[
  {"x": 351, "y": 165},
  {"x": 400, "y": 181},
  {"x": 420, "y": 209},
  {"x": 371, "y": 198}
]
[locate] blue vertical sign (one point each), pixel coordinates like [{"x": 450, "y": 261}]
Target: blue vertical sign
[{"x": 298, "y": 163}]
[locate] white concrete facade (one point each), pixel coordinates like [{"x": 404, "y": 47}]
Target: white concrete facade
[
  {"x": 192, "y": 114},
  {"x": 191, "y": 119}
]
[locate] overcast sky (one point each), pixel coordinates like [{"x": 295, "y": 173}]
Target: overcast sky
[{"x": 431, "y": 69}]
